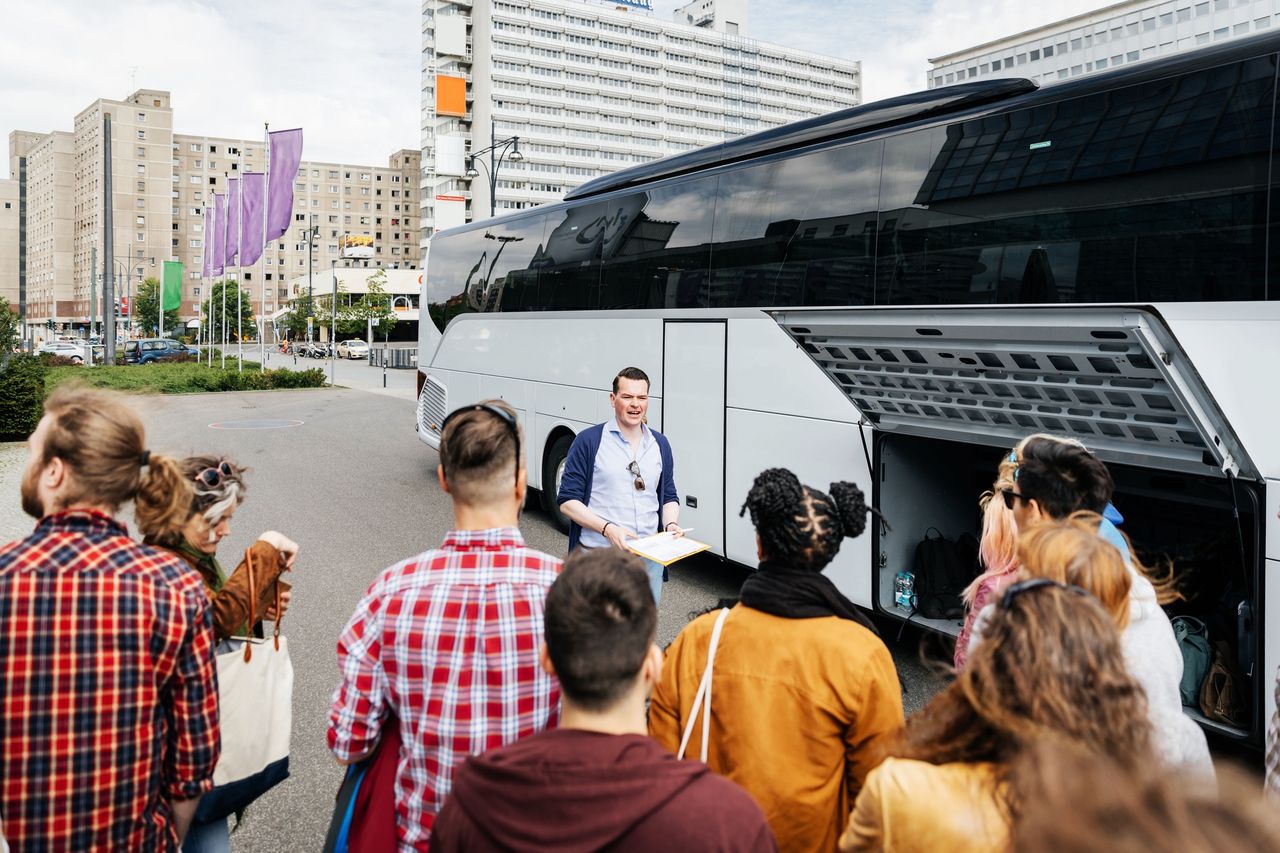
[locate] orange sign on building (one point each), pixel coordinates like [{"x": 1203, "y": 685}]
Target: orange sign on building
[{"x": 451, "y": 95}]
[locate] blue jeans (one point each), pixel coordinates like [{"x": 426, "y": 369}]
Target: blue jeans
[
  {"x": 654, "y": 570},
  {"x": 212, "y": 837}
]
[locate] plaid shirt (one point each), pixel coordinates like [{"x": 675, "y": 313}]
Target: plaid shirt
[
  {"x": 108, "y": 688},
  {"x": 448, "y": 642}
]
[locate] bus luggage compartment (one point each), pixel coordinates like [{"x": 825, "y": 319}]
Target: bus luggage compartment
[
  {"x": 950, "y": 390},
  {"x": 1182, "y": 521}
]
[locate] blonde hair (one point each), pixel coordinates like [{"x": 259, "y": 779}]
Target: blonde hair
[
  {"x": 1070, "y": 551},
  {"x": 998, "y": 547},
  {"x": 103, "y": 444}
]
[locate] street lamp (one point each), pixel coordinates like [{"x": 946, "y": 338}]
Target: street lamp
[
  {"x": 498, "y": 150},
  {"x": 313, "y": 231}
]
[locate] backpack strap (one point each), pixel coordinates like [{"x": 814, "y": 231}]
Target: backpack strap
[{"x": 702, "y": 699}]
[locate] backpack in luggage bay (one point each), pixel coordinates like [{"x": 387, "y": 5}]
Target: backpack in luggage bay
[
  {"x": 1221, "y": 695},
  {"x": 1197, "y": 656},
  {"x": 941, "y": 574}
]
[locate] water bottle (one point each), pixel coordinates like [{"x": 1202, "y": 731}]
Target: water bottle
[{"x": 904, "y": 590}]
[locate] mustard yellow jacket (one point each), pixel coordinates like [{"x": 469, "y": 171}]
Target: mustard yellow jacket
[
  {"x": 802, "y": 709},
  {"x": 912, "y": 806}
]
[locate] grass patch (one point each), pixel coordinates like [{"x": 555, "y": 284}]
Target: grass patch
[{"x": 184, "y": 378}]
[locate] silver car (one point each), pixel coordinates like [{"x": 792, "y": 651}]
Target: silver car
[
  {"x": 63, "y": 348},
  {"x": 353, "y": 349}
]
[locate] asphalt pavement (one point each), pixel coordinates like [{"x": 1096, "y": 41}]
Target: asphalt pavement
[{"x": 341, "y": 471}]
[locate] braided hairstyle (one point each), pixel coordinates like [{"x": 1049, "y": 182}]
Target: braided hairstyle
[{"x": 799, "y": 525}]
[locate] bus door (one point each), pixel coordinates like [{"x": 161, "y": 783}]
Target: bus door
[{"x": 693, "y": 399}]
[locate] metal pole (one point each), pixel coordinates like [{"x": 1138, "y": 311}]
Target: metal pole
[
  {"x": 93, "y": 286},
  {"x": 223, "y": 225},
  {"x": 240, "y": 270},
  {"x": 108, "y": 284},
  {"x": 333, "y": 327},
  {"x": 262, "y": 303},
  {"x": 311, "y": 218},
  {"x": 493, "y": 173}
]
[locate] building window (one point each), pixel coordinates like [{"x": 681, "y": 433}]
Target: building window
[{"x": 142, "y": 134}]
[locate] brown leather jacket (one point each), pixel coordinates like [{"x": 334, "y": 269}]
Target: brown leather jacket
[{"x": 231, "y": 603}]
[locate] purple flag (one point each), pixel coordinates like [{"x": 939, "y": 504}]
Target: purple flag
[
  {"x": 208, "y": 242},
  {"x": 282, "y": 170},
  {"x": 233, "y": 220},
  {"x": 252, "y": 189},
  {"x": 218, "y": 244}
]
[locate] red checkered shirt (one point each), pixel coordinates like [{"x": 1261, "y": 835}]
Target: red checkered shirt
[
  {"x": 108, "y": 688},
  {"x": 448, "y": 642}
]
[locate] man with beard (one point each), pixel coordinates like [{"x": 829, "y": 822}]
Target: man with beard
[
  {"x": 109, "y": 703},
  {"x": 619, "y": 478}
]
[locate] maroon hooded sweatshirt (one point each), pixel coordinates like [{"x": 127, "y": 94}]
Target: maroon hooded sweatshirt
[{"x": 573, "y": 790}]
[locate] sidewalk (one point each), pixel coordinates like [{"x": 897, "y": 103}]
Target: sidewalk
[{"x": 351, "y": 374}]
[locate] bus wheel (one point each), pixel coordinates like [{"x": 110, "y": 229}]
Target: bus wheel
[{"x": 552, "y": 473}]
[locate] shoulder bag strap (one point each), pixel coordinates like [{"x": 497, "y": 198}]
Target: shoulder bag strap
[
  {"x": 702, "y": 699},
  {"x": 253, "y": 604}
]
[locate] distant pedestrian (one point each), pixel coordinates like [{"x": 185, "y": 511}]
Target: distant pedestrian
[
  {"x": 1052, "y": 672},
  {"x": 108, "y": 703},
  {"x": 619, "y": 478},
  {"x": 806, "y": 697},
  {"x": 218, "y": 490},
  {"x": 598, "y": 782},
  {"x": 447, "y": 641}
]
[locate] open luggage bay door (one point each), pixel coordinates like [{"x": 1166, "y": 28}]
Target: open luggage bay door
[{"x": 1113, "y": 377}]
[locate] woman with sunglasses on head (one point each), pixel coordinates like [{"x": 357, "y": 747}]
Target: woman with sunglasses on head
[
  {"x": 218, "y": 489},
  {"x": 1051, "y": 671},
  {"x": 805, "y": 695}
]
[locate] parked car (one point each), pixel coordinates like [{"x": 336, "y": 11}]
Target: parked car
[
  {"x": 63, "y": 348},
  {"x": 147, "y": 350},
  {"x": 353, "y": 349}
]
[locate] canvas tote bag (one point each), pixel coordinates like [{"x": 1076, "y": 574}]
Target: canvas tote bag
[
  {"x": 255, "y": 709},
  {"x": 702, "y": 699}
]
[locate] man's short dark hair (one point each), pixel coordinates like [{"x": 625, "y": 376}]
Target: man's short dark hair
[
  {"x": 600, "y": 622},
  {"x": 630, "y": 373},
  {"x": 1063, "y": 477},
  {"x": 478, "y": 453}
]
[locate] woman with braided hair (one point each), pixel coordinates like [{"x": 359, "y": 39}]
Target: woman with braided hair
[{"x": 805, "y": 694}]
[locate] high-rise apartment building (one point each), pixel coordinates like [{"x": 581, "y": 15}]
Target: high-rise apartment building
[
  {"x": 1109, "y": 37},
  {"x": 161, "y": 181},
  {"x": 590, "y": 88}
]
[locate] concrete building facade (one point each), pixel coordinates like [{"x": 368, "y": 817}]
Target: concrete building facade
[
  {"x": 161, "y": 181},
  {"x": 590, "y": 88},
  {"x": 1109, "y": 37}
]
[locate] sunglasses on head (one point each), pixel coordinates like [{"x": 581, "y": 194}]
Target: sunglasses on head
[
  {"x": 501, "y": 414},
  {"x": 1020, "y": 587},
  {"x": 213, "y": 477},
  {"x": 633, "y": 468}
]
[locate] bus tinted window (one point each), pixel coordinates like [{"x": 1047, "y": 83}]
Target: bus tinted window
[
  {"x": 797, "y": 231},
  {"x": 569, "y": 268},
  {"x": 1151, "y": 192},
  {"x": 660, "y": 259},
  {"x": 486, "y": 269}
]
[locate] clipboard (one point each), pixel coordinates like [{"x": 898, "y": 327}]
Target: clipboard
[{"x": 665, "y": 549}]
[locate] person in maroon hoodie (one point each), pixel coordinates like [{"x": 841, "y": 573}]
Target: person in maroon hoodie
[{"x": 598, "y": 781}]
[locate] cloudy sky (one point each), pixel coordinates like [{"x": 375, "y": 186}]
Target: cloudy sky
[{"x": 349, "y": 73}]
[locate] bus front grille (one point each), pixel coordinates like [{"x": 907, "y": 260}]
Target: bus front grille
[{"x": 432, "y": 404}]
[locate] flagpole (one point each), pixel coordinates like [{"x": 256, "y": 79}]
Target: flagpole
[
  {"x": 240, "y": 268},
  {"x": 262, "y": 303},
  {"x": 222, "y": 226}
]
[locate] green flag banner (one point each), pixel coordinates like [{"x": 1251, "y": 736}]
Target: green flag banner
[{"x": 171, "y": 288}]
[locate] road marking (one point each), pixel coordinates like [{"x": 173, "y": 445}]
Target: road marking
[{"x": 255, "y": 424}]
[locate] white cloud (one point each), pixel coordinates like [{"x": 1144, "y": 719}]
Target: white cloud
[{"x": 348, "y": 75}]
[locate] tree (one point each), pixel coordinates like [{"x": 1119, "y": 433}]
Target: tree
[
  {"x": 295, "y": 322},
  {"x": 213, "y": 311},
  {"x": 8, "y": 328},
  {"x": 372, "y": 311},
  {"x": 146, "y": 310}
]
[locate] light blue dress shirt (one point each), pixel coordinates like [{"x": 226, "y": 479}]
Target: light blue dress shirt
[{"x": 613, "y": 493}]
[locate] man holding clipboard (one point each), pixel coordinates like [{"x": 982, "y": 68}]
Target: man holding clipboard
[{"x": 619, "y": 478}]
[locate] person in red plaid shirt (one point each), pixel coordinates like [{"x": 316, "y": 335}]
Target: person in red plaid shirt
[
  {"x": 447, "y": 641},
  {"x": 109, "y": 699}
]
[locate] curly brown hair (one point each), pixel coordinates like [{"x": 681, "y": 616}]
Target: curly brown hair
[{"x": 1050, "y": 668}]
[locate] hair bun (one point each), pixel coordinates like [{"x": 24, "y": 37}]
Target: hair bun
[{"x": 851, "y": 508}]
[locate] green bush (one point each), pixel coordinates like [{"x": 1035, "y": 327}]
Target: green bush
[
  {"x": 22, "y": 389},
  {"x": 187, "y": 378}
]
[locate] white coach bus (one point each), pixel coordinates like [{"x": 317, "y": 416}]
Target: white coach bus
[{"x": 895, "y": 294}]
